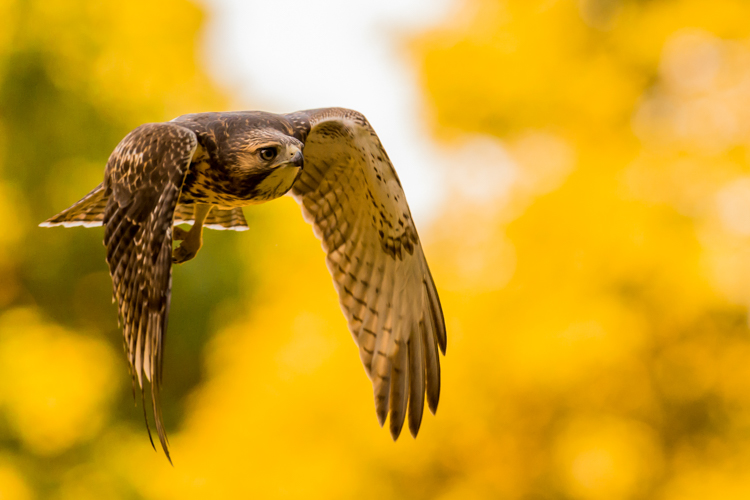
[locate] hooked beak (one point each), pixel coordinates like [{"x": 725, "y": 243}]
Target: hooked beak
[{"x": 297, "y": 159}]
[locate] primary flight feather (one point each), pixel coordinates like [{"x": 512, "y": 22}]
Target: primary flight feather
[{"x": 203, "y": 168}]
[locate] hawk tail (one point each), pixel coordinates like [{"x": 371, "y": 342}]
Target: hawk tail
[
  {"x": 87, "y": 212},
  {"x": 231, "y": 219}
]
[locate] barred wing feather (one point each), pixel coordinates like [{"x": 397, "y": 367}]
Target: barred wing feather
[
  {"x": 350, "y": 193},
  {"x": 144, "y": 176}
]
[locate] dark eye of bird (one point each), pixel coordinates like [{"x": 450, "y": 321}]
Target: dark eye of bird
[{"x": 267, "y": 154}]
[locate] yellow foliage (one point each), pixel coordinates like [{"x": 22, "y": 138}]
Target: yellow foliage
[
  {"x": 616, "y": 321},
  {"x": 116, "y": 54},
  {"x": 12, "y": 485},
  {"x": 595, "y": 275},
  {"x": 606, "y": 457},
  {"x": 55, "y": 386}
]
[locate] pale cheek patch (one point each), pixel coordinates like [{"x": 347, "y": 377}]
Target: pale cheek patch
[{"x": 277, "y": 183}]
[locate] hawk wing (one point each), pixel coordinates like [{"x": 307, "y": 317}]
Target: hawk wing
[
  {"x": 144, "y": 176},
  {"x": 350, "y": 193}
]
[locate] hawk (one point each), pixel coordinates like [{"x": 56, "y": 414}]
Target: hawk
[{"x": 201, "y": 169}]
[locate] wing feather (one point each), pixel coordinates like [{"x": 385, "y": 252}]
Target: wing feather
[
  {"x": 369, "y": 333},
  {"x": 436, "y": 311},
  {"x": 381, "y": 361},
  {"x": 416, "y": 376},
  {"x": 144, "y": 176},
  {"x": 432, "y": 363},
  {"x": 350, "y": 194},
  {"x": 399, "y": 388}
]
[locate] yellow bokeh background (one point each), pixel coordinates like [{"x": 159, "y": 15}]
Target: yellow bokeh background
[{"x": 592, "y": 254}]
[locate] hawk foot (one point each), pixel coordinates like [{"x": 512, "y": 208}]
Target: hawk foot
[
  {"x": 191, "y": 243},
  {"x": 179, "y": 234},
  {"x": 184, "y": 252}
]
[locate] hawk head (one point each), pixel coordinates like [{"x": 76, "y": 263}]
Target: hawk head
[{"x": 267, "y": 162}]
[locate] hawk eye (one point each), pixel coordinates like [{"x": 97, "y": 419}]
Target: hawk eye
[{"x": 267, "y": 154}]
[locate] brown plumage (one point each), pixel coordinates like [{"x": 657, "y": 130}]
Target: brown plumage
[{"x": 203, "y": 168}]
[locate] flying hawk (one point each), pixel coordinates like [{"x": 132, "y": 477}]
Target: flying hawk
[{"x": 201, "y": 169}]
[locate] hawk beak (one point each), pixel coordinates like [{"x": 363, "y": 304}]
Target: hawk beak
[{"x": 297, "y": 159}]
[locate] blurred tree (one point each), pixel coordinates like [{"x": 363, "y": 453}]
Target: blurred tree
[
  {"x": 614, "y": 342},
  {"x": 593, "y": 269}
]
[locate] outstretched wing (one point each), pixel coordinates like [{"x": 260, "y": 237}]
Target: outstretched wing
[
  {"x": 350, "y": 193},
  {"x": 144, "y": 176}
]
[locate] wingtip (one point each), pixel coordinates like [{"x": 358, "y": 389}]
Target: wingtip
[
  {"x": 145, "y": 418},
  {"x": 395, "y": 427},
  {"x": 413, "y": 432},
  {"x": 441, "y": 334},
  {"x": 436, "y": 310},
  {"x": 150, "y": 438},
  {"x": 164, "y": 443},
  {"x": 381, "y": 418},
  {"x": 415, "y": 421},
  {"x": 169, "y": 458},
  {"x": 443, "y": 344},
  {"x": 432, "y": 403}
]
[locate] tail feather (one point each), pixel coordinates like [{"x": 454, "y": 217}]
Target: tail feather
[
  {"x": 87, "y": 212},
  {"x": 217, "y": 218},
  {"x": 233, "y": 219}
]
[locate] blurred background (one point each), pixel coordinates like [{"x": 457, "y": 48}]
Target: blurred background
[{"x": 579, "y": 171}]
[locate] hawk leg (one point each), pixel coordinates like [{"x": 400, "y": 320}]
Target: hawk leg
[{"x": 191, "y": 241}]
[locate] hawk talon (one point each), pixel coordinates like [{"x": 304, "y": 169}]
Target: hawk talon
[
  {"x": 179, "y": 234},
  {"x": 192, "y": 240},
  {"x": 183, "y": 253}
]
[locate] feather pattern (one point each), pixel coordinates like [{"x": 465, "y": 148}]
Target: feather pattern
[
  {"x": 87, "y": 212},
  {"x": 144, "y": 177},
  {"x": 206, "y": 167},
  {"x": 353, "y": 198},
  {"x": 218, "y": 218}
]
